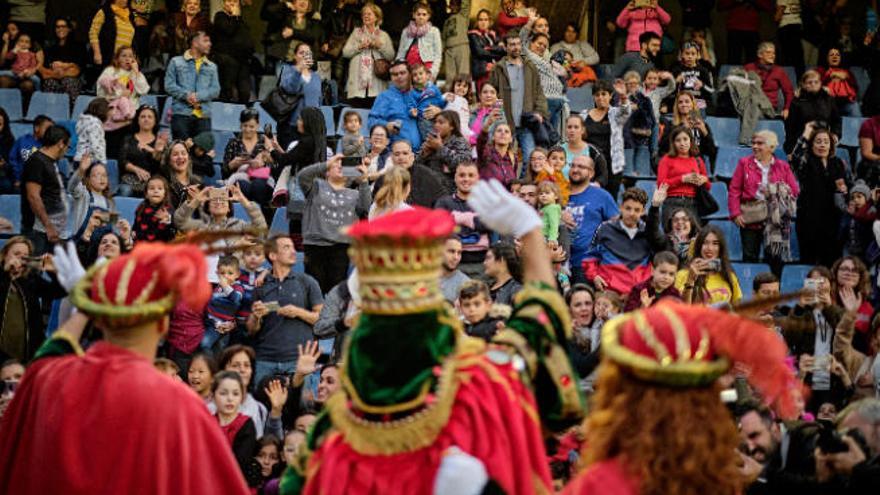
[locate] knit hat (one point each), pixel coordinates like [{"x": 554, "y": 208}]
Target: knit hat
[
  {"x": 861, "y": 188},
  {"x": 143, "y": 285},
  {"x": 204, "y": 140},
  {"x": 677, "y": 345},
  {"x": 398, "y": 258}
]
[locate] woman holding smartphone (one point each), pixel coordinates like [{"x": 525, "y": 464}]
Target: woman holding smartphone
[{"x": 709, "y": 277}]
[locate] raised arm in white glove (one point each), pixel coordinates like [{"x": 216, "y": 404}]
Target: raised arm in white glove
[
  {"x": 460, "y": 473},
  {"x": 69, "y": 270},
  {"x": 501, "y": 211}
]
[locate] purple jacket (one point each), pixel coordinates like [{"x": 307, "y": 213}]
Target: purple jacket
[{"x": 747, "y": 179}]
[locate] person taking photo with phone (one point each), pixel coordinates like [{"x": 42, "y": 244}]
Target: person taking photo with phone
[{"x": 709, "y": 277}]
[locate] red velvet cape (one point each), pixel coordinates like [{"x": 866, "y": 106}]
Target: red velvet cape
[
  {"x": 110, "y": 423},
  {"x": 494, "y": 418}
]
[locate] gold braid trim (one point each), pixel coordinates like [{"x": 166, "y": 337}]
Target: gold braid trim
[
  {"x": 412, "y": 432},
  {"x": 513, "y": 339},
  {"x": 666, "y": 372},
  {"x": 549, "y": 297},
  {"x": 67, "y": 337},
  {"x": 112, "y": 314}
]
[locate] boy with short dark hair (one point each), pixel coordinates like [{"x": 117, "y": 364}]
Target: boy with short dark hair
[
  {"x": 475, "y": 302},
  {"x": 426, "y": 94},
  {"x": 661, "y": 284},
  {"x": 619, "y": 255},
  {"x": 224, "y": 304}
]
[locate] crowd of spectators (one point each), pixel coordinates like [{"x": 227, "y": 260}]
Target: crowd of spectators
[{"x": 644, "y": 194}]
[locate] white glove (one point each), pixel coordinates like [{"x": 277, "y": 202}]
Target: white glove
[
  {"x": 501, "y": 211},
  {"x": 460, "y": 474},
  {"x": 69, "y": 270}
]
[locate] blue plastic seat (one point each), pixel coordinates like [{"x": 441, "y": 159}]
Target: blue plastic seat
[
  {"x": 70, "y": 125},
  {"x": 746, "y": 273},
  {"x": 365, "y": 117},
  {"x": 150, "y": 100},
  {"x": 64, "y": 169},
  {"x": 728, "y": 156},
  {"x": 10, "y": 100},
  {"x": 638, "y": 163},
  {"x": 862, "y": 78},
  {"x": 606, "y": 71},
  {"x": 265, "y": 118},
  {"x": 725, "y": 130},
  {"x": 793, "y": 278},
  {"x": 329, "y": 121},
  {"x": 238, "y": 211},
  {"x": 775, "y": 126},
  {"x": 10, "y": 209},
  {"x": 843, "y": 154},
  {"x": 580, "y": 99},
  {"x": 731, "y": 235},
  {"x": 224, "y": 116},
  {"x": 53, "y": 105},
  {"x": 80, "y": 105},
  {"x": 649, "y": 186},
  {"x": 279, "y": 222},
  {"x": 850, "y": 131},
  {"x": 221, "y": 139},
  {"x": 792, "y": 75},
  {"x": 126, "y": 207},
  {"x": 165, "y": 116},
  {"x": 719, "y": 192},
  {"x": 20, "y": 129}
]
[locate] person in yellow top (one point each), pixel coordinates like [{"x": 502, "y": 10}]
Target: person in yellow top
[
  {"x": 112, "y": 28},
  {"x": 709, "y": 277}
]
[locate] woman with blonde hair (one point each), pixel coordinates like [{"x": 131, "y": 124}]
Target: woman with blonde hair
[
  {"x": 392, "y": 195},
  {"x": 686, "y": 113}
]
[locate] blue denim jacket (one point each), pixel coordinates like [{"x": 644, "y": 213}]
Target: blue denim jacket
[{"x": 181, "y": 80}]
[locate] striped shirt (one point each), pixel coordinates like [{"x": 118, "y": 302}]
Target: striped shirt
[{"x": 124, "y": 30}]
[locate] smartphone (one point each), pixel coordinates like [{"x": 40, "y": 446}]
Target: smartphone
[
  {"x": 35, "y": 262},
  {"x": 822, "y": 363},
  {"x": 267, "y": 131},
  {"x": 714, "y": 265},
  {"x": 272, "y": 306},
  {"x": 114, "y": 217},
  {"x": 811, "y": 286},
  {"x": 352, "y": 161}
]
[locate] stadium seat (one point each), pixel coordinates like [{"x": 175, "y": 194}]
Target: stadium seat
[
  {"x": 606, "y": 71},
  {"x": 113, "y": 175},
  {"x": 580, "y": 99},
  {"x": 300, "y": 265},
  {"x": 224, "y": 116},
  {"x": 731, "y": 235},
  {"x": 792, "y": 75},
  {"x": 19, "y": 129},
  {"x": 70, "y": 125},
  {"x": 79, "y": 106},
  {"x": 638, "y": 163},
  {"x": 10, "y": 209},
  {"x": 862, "y": 78},
  {"x": 724, "y": 70},
  {"x": 10, "y": 100},
  {"x": 64, "y": 169},
  {"x": 649, "y": 186},
  {"x": 365, "y": 117},
  {"x": 746, "y": 273},
  {"x": 795, "y": 247},
  {"x": 843, "y": 154},
  {"x": 54, "y": 105},
  {"x": 776, "y": 126},
  {"x": 728, "y": 156},
  {"x": 329, "y": 122},
  {"x": 719, "y": 192},
  {"x": 279, "y": 222},
  {"x": 151, "y": 100},
  {"x": 221, "y": 138},
  {"x": 850, "y": 131},
  {"x": 266, "y": 85},
  {"x": 793, "y": 278},
  {"x": 126, "y": 207},
  {"x": 265, "y": 118},
  {"x": 725, "y": 130}
]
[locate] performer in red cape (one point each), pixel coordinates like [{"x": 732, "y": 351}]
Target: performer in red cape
[
  {"x": 657, "y": 424},
  {"x": 105, "y": 421},
  {"x": 423, "y": 408}
]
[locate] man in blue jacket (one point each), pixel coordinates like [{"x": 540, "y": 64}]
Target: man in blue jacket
[
  {"x": 192, "y": 82},
  {"x": 25, "y": 146},
  {"x": 392, "y": 107}
]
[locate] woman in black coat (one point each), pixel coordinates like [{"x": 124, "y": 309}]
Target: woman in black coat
[
  {"x": 485, "y": 49},
  {"x": 811, "y": 104}
]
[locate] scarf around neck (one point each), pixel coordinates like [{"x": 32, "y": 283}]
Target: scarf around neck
[{"x": 416, "y": 32}]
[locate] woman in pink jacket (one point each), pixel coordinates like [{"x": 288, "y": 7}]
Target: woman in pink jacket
[
  {"x": 763, "y": 199},
  {"x": 638, "y": 18}
]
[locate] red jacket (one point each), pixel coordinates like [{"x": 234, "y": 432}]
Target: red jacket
[
  {"x": 672, "y": 169},
  {"x": 773, "y": 80},
  {"x": 506, "y": 22},
  {"x": 747, "y": 178}
]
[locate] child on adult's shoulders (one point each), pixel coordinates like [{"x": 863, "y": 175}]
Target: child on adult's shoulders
[{"x": 661, "y": 284}]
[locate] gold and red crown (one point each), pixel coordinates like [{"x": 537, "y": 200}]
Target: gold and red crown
[
  {"x": 679, "y": 345},
  {"x": 398, "y": 259},
  {"x": 143, "y": 285}
]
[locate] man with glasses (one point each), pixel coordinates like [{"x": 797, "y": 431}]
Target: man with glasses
[
  {"x": 391, "y": 108},
  {"x": 589, "y": 205}
]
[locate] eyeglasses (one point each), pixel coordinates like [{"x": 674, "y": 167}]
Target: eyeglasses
[{"x": 848, "y": 269}]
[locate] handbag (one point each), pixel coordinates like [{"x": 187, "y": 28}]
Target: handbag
[
  {"x": 754, "y": 211},
  {"x": 381, "y": 68},
  {"x": 706, "y": 204},
  {"x": 279, "y": 103}
]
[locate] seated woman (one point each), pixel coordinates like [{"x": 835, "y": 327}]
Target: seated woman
[
  {"x": 177, "y": 169},
  {"x": 709, "y": 277},
  {"x": 840, "y": 83},
  {"x": 216, "y": 213},
  {"x": 142, "y": 152},
  {"x": 851, "y": 287},
  {"x": 64, "y": 60},
  {"x": 686, "y": 113},
  {"x": 677, "y": 233},
  {"x": 581, "y": 51},
  {"x": 245, "y": 160}
]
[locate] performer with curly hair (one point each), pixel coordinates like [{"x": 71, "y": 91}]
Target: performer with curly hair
[
  {"x": 105, "y": 420},
  {"x": 657, "y": 425},
  {"x": 424, "y": 408}
]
